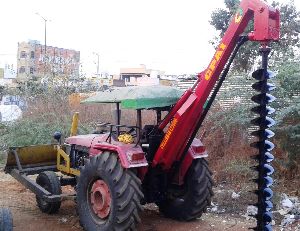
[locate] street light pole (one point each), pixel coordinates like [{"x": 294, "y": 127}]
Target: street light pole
[
  {"x": 98, "y": 59},
  {"x": 45, "y": 20},
  {"x": 45, "y": 35}
]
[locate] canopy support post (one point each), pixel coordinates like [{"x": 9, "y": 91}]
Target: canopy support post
[
  {"x": 158, "y": 116},
  {"x": 118, "y": 117},
  {"x": 138, "y": 123}
]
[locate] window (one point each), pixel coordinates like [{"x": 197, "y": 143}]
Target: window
[
  {"x": 32, "y": 54},
  {"x": 22, "y": 70},
  {"x": 31, "y": 70},
  {"x": 23, "y": 54}
]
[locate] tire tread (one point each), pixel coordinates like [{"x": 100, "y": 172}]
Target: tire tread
[
  {"x": 50, "y": 178},
  {"x": 197, "y": 198},
  {"x": 126, "y": 193},
  {"x": 6, "y": 220}
]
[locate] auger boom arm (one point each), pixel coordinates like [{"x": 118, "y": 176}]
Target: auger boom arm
[{"x": 188, "y": 110}]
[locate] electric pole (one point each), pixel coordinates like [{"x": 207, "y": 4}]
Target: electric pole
[{"x": 98, "y": 60}]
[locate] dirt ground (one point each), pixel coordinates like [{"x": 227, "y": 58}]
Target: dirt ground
[{"x": 27, "y": 216}]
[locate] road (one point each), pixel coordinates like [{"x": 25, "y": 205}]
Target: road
[{"x": 27, "y": 216}]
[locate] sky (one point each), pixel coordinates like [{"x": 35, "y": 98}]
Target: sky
[{"x": 168, "y": 35}]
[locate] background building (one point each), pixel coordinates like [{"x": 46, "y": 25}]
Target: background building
[
  {"x": 140, "y": 76},
  {"x": 34, "y": 62},
  {"x": 7, "y": 75}
]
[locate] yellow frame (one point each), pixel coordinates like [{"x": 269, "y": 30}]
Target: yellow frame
[{"x": 65, "y": 168}]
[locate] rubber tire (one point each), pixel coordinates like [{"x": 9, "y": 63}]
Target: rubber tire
[
  {"x": 6, "y": 220},
  {"x": 49, "y": 181},
  {"x": 125, "y": 190},
  {"x": 196, "y": 197}
]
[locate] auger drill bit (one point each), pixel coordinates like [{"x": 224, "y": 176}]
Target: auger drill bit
[{"x": 264, "y": 146}]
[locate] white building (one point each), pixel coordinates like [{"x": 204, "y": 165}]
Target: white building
[
  {"x": 140, "y": 76},
  {"x": 7, "y": 74}
]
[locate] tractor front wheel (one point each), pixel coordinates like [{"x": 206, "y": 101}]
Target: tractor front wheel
[
  {"x": 191, "y": 199},
  {"x": 49, "y": 181},
  {"x": 108, "y": 196}
]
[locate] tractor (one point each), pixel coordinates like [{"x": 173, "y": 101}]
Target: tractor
[{"x": 118, "y": 168}]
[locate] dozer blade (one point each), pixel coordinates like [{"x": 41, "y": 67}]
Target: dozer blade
[{"x": 31, "y": 156}]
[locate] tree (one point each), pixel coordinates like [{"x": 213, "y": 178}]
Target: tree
[
  {"x": 285, "y": 50},
  {"x": 288, "y": 115}
]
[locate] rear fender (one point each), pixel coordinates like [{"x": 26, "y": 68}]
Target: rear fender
[
  {"x": 130, "y": 155},
  {"x": 196, "y": 151}
]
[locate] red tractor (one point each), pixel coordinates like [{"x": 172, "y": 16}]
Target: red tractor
[{"x": 119, "y": 168}]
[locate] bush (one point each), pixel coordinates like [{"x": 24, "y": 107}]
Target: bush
[
  {"x": 288, "y": 141},
  {"x": 31, "y": 131}
]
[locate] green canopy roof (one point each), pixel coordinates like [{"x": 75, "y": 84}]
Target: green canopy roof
[{"x": 138, "y": 97}]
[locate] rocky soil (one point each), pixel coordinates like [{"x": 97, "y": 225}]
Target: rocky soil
[{"x": 229, "y": 211}]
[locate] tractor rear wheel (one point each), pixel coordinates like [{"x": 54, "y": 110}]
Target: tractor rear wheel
[
  {"x": 191, "y": 200},
  {"x": 108, "y": 196},
  {"x": 6, "y": 220},
  {"x": 49, "y": 181}
]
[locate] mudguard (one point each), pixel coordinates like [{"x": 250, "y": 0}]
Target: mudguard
[
  {"x": 130, "y": 155},
  {"x": 196, "y": 151}
]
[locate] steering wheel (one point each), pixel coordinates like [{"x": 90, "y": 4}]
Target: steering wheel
[{"x": 132, "y": 130}]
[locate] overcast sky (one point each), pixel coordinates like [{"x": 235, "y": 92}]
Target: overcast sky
[{"x": 169, "y": 35}]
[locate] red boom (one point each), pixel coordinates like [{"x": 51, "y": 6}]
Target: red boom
[{"x": 187, "y": 111}]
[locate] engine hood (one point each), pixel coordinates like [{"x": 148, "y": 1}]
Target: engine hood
[{"x": 85, "y": 140}]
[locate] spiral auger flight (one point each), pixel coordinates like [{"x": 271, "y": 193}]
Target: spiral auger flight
[{"x": 264, "y": 156}]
